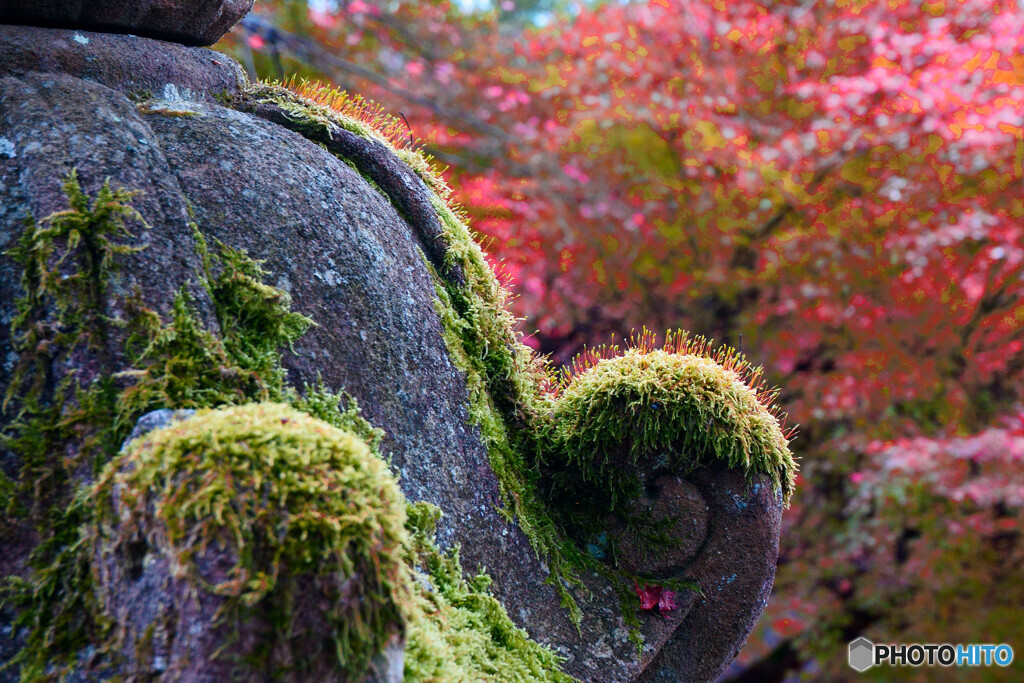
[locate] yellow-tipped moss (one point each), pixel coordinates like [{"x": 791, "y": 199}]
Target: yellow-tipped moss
[{"x": 683, "y": 410}]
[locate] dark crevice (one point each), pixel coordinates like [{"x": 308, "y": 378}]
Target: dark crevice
[{"x": 136, "y": 551}]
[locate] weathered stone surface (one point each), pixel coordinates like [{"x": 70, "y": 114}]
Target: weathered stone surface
[
  {"x": 144, "y": 114},
  {"x": 734, "y": 568},
  {"x": 679, "y": 503},
  {"x": 167, "y": 626},
  {"x": 192, "y": 22},
  {"x": 137, "y": 67}
]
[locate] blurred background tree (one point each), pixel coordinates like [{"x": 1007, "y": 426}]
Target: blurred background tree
[{"x": 835, "y": 187}]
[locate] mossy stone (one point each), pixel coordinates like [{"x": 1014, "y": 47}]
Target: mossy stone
[
  {"x": 288, "y": 531},
  {"x": 480, "y": 445},
  {"x": 649, "y": 411}
]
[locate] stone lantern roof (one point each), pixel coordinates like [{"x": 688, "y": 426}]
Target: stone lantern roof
[{"x": 191, "y": 22}]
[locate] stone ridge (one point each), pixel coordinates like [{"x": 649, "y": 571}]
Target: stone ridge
[
  {"x": 191, "y": 22},
  {"x": 138, "y": 67}
]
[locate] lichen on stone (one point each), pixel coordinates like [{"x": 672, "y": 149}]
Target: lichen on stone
[{"x": 166, "y": 108}]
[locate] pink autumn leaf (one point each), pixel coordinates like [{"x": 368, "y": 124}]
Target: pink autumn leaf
[
  {"x": 667, "y": 603},
  {"x": 656, "y": 597},
  {"x": 323, "y": 19},
  {"x": 649, "y": 595}
]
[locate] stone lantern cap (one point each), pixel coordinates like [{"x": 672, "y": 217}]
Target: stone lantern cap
[{"x": 192, "y": 22}]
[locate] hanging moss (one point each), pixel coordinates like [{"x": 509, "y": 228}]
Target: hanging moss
[
  {"x": 296, "y": 503},
  {"x": 458, "y": 631},
  {"x": 67, "y": 260}
]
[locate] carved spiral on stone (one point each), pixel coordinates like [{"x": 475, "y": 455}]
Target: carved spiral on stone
[{"x": 678, "y": 508}]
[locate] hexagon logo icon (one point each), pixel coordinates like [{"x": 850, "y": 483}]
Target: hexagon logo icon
[{"x": 862, "y": 654}]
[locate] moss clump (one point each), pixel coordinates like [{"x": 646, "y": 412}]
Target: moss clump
[
  {"x": 297, "y": 503},
  {"x": 458, "y": 631},
  {"x": 677, "y": 410}
]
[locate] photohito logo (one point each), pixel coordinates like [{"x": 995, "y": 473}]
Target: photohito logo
[{"x": 864, "y": 654}]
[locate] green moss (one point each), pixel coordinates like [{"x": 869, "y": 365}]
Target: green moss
[
  {"x": 67, "y": 260},
  {"x": 543, "y": 434},
  {"x": 458, "y": 631},
  {"x": 296, "y": 502},
  {"x": 340, "y": 410},
  {"x": 678, "y": 410},
  {"x": 56, "y": 605},
  {"x": 181, "y": 364},
  {"x": 60, "y": 425},
  {"x": 63, "y": 427},
  {"x": 518, "y": 482}
]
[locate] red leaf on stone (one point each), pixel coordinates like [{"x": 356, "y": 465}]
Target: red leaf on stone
[
  {"x": 656, "y": 597},
  {"x": 649, "y": 595},
  {"x": 667, "y": 603}
]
